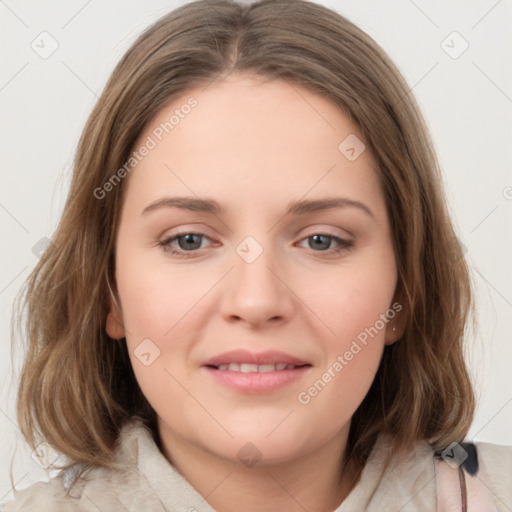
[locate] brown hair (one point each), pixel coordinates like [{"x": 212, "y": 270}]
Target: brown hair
[{"x": 77, "y": 386}]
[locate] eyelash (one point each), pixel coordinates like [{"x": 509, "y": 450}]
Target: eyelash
[{"x": 345, "y": 245}]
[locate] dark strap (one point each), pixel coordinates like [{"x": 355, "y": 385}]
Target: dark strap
[{"x": 462, "y": 482}]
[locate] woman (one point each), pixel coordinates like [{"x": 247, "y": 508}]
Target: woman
[{"x": 307, "y": 353}]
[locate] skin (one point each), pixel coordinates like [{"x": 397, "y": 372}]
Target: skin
[{"x": 254, "y": 146}]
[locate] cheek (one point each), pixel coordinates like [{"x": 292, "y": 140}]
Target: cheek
[
  {"x": 158, "y": 305},
  {"x": 355, "y": 304},
  {"x": 352, "y": 300},
  {"x": 352, "y": 353},
  {"x": 156, "y": 297}
]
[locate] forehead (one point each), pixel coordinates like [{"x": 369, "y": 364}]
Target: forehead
[{"x": 250, "y": 140}]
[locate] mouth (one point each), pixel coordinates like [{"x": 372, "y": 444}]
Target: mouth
[
  {"x": 252, "y": 372},
  {"x": 255, "y": 368}
]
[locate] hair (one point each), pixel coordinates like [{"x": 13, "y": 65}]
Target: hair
[{"x": 77, "y": 386}]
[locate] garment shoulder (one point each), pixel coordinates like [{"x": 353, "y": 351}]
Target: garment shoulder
[
  {"x": 99, "y": 489},
  {"x": 497, "y": 462},
  {"x": 40, "y": 496},
  {"x": 118, "y": 488}
]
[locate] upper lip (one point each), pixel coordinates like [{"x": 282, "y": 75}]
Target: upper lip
[{"x": 245, "y": 356}]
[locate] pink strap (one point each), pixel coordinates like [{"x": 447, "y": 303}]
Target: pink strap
[{"x": 458, "y": 491}]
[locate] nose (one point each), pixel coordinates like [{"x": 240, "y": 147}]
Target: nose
[{"x": 257, "y": 293}]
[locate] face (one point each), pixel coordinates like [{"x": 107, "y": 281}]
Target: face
[{"x": 264, "y": 320}]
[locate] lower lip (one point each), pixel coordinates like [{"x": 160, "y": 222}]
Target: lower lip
[{"x": 256, "y": 382}]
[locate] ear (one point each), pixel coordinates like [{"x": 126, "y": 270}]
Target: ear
[
  {"x": 396, "y": 325},
  {"x": 114, "y": 325}
]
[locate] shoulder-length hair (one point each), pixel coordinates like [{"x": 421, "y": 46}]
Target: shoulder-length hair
[{"x": 77, "y": 386}]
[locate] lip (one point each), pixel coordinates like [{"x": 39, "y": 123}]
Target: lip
[{"x": 256, "y": 382}]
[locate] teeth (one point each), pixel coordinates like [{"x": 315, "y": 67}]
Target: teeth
[
  {"x": 248, "y": 368},
  {"x": 255, "y": 368}
]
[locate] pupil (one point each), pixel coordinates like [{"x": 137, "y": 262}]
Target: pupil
[
  {"x": 325, "y": 245},
  {"x": 189, "y": 240}
]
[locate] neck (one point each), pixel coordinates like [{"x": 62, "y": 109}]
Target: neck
[{"x": 314, "y": 481}]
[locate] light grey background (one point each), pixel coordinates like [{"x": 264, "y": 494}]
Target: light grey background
[{"x": 466, "y": 99}]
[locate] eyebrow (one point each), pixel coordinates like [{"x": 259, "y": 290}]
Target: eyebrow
[{"x": 300, "y": 207}]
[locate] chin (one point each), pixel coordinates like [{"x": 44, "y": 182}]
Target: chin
[{"x": 267, "y": 440}]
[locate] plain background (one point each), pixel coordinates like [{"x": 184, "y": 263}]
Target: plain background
[{"x": 466, "y": 97}]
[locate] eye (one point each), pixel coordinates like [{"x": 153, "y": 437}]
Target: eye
[
  {"x": 187, "y": 243},
  {"x": 322, "y": 241}
]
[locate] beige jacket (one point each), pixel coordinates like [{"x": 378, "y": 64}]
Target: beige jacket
[{"x": 148, "y": 482}]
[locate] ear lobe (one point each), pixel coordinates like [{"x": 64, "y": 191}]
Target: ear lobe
[
  {"x": 114, "y": 325},
  {"x": 396, "y": 327},
  {"x": 393, "y": 333}
]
